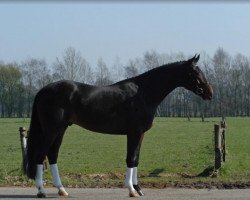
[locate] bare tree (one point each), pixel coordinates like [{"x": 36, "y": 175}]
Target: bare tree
[
  {"x": 221, "y": 63},
  {"x": 131, "y": 69},
  {"x": 72, "y": 66},
  {"x": 238, "y": 82},
  {"x": 246, "y": 85},
  {"x": 44, "y": 77},
  {"x": 151, "y": 59},
  {"x": 116, "y": 71},
  {"x": 206, "y": 64},
  {"x": 229, "y": 76},
  {"x": 102, "y": 74},
  {"x": 35, "y": 74}
]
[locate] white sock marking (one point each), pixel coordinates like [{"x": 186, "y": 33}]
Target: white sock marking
[
  {"x": 134, "y": 177},
  {"x": 128, "y": 180},
  {"x": 39, "y": 178},
  {"x": 55, "y": 176}
]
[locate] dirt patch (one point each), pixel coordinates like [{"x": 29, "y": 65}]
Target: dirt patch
[
  {"x": 158, "y": 181},
  {"x": 198, "y": 185},
  {"x": 116, "y": 180}
]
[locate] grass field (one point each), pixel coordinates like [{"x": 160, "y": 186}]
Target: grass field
[{"x": 173, "y": 153}]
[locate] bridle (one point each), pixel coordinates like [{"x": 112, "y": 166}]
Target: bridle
[
  {"x": 198, "y": 84},
  {"x": 199, "y": 88}
]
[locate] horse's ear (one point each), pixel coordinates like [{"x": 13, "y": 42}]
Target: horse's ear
[{"x": 194, "y": 60}]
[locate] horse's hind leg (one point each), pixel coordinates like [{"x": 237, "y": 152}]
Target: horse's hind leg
[
  {"x": 53, "y": 126},
  {"x": 52, "y": 156},
  {"x": 39, "y": 181},
  {"x": 43, "y": 149}
]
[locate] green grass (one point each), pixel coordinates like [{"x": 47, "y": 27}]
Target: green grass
[{"x": 173, "y": 153}]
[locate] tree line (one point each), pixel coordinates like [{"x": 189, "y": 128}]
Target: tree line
[{"x": 229, "y": 76}]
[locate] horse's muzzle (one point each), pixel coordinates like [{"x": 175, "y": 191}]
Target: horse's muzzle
[{"x": 208, "y": 94}]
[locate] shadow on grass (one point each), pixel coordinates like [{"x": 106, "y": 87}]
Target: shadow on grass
[
  {"x": 156, "y": 172},
  {"x": 209, "y": 171}
]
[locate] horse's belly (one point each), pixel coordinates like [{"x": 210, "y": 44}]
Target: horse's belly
[{"x": 105, "y": 125}]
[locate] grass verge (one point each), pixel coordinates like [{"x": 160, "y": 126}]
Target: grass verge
[{"x": 175, "y": 153}]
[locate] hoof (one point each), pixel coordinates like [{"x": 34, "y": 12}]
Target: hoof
[
  {"x": 62, "y": 192},
  {"x": 138, "y": 190},
  {"x": 41, "y": 195},
  {"x": 133, "y": 194}
]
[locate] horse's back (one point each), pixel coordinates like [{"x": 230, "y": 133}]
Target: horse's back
[{"x": 62, "y": 92}]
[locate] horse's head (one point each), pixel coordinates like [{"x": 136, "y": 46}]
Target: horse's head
[{"x": 196, "y": 80}]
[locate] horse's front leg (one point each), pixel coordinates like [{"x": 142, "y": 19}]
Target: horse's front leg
[
  {"x": 52, "y": 156},
  {"x": 133, "y": 151},
  {"x": 135, "y": 182}
]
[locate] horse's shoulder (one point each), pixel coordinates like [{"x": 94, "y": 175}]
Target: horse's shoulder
[{"x": 125, "y": 89}]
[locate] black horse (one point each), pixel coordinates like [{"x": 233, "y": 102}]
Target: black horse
[{"x": 127, "y": 107}]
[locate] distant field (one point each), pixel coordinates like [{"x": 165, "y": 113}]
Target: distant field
[{"x": 173, "y": 153}]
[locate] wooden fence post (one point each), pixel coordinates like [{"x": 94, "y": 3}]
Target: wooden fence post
[
  {"x": 202, "y": 117},
  {"x": 219, "y": 144},
  {"x": 217, "y": 147},
  {"x": 23, "y": 139},
  {"x": 22, "y": 132},
  {"x": 223, "y": 142}
]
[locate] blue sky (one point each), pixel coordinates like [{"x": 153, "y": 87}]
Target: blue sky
[{"x": 125, "y": 30}]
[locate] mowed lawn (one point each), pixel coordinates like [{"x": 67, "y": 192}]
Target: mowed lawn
[{"x": 174, "y": 151}]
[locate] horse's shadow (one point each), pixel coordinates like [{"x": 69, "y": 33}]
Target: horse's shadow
[
  {"x": 25, "y": 196},
  {"x": 16, "y": 196}
]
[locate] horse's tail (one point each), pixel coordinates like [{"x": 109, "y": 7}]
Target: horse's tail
[{"x": 32, "y": 144}]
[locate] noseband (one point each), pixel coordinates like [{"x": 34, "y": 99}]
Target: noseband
[{"x": 199, "y": 88}]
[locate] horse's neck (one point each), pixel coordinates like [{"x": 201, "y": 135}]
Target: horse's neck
[{"x": 158, "y": 83}]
